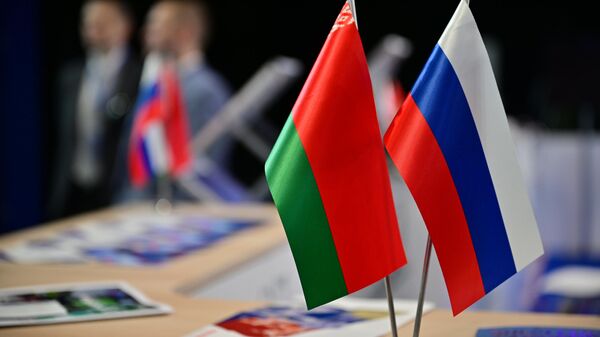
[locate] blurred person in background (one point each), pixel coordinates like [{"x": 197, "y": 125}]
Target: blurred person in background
[
  {"x": 175, "y": 33},
  {"x": 178, "y": 30},
  {"x": 95, "y": 96}
]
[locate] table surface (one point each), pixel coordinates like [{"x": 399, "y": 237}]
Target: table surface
[
  {"x": 170, "y": 282},
  {"x": 440, "y": 323},
  {"x": 182, "y": 274}
]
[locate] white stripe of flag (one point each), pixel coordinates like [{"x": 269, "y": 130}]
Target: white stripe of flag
[
  {"x": 463, "y": 46},
  {"x": 158, "y": 152}
]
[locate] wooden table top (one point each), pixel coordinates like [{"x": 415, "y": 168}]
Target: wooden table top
[
  {"x": 441, "y": 323},
  {"x": 169, "y": 283}
]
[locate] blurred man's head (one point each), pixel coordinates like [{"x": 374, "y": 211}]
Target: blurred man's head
[
  {"x": 176, "y": 27},
  {"x": 105, "y": 24}
]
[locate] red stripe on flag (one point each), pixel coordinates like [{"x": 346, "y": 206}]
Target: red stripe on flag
[
  {"x": 337, "y": 124},
  {"x": 176, "y": 124},
  {"x": 418, "y": 157},
  {"x": 137, "y": 170}
]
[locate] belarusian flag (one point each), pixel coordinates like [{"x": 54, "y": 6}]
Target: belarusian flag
[{"x": 329, "y": 179}]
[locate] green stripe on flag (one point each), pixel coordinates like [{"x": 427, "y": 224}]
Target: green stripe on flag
[{"x": 298, "y": 200}]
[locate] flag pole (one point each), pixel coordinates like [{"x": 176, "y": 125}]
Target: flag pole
[
  {"x": 390, "y": 300},
  {"x": 421, "y": 299},
  {"x": 164, "y": 194},
  {"x": 353, "y": 9},
  {"x": 388, "y": 283}
]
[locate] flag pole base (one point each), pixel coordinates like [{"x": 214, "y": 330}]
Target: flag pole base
[
  {"x": 164, "y": 205},
  {"x": 421, "y": 300}
]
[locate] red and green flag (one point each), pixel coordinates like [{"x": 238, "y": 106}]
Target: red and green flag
[{"x": 329, "y": 179}]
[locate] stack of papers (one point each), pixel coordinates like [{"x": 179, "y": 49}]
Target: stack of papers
[
  {"x": 129, "y": 240},
  {"x": 74, "y": 303}
]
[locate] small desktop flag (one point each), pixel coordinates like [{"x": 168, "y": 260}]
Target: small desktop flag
[
  {"x": 159, "y": 143},
  {"x": 452, "y": 145},
  {"x": 328, "y": 176}
]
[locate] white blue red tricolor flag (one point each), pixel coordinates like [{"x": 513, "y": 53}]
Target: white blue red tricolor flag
[
  {"x": 159, "y": 143},
  {"x": 452, "y": 145}
]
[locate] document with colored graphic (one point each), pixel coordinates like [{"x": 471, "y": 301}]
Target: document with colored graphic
[
  {"x": 347, "y": 317},
  {"x": 65, "y": 303}
]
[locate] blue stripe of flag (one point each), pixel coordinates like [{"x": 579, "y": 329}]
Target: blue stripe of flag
[
  {"x": 440, "y": 98},
  {"x": 146, "y": 158}
]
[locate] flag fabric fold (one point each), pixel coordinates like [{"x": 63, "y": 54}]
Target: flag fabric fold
[
  {"x": 159, "y": 142},
  {"x": 451, "y": 143},
  {"x": 328, "y": 176}
]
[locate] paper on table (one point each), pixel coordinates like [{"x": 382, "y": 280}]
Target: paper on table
[
  {"x": 32, "y": 310},
  {"x": 26, "y": 253},
  {"x": 127, "y": 240},
  {"x": 65, "y": 303},
  {"x": 347, "y": 317}
]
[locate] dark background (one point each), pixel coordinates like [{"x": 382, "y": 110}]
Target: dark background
[{"x": 549, "y": 52}]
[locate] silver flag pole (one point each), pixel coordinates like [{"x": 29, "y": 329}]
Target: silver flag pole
[
  {"x": 388, "y": 285},
  {"x": 421, "y": 300},
  {"x": 390, "y": 300}
]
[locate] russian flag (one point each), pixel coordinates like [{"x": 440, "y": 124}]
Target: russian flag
[
  {"x": 159, "y": 143},
  {"x": 452, "y": 145}
]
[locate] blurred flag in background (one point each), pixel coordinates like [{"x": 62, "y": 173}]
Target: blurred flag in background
[{"x": 159, "y": 143}]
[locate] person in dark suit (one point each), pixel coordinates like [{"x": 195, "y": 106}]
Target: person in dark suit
[{"x": 95, "y": 97}]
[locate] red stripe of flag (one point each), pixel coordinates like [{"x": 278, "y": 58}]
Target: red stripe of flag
[
  {"x": 336, "y": 121},
  {"x": 176, "y": 124}
]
